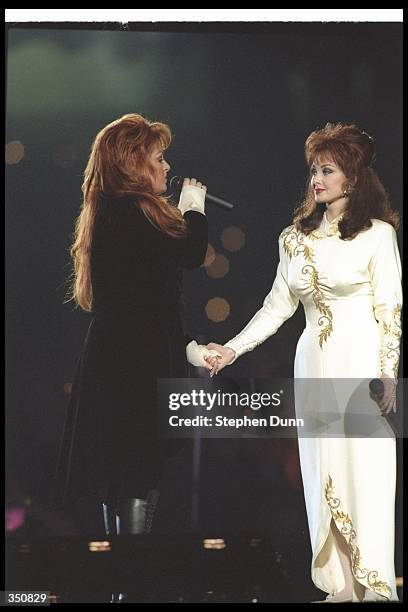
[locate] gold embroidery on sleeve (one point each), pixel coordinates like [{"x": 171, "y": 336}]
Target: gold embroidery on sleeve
[
  {"x": 391, "y": 341},
  {"x": 344, "y": 523}
]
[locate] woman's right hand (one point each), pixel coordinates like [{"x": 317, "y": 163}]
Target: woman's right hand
[
  {"x": 192, "y": 196},
  {"x": 218, "y": 363},
  {"x": 196, "y": 354}
]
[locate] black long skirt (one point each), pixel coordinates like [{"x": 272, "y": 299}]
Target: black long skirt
[{"x": 110, "y": 442}]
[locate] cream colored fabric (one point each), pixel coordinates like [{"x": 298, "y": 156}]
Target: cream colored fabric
[
  {"x": 192, "y": 198},
  {"x": 351, "y": 294}
]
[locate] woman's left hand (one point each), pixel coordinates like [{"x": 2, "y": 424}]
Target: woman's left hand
[{"x": 388, "y": 401}]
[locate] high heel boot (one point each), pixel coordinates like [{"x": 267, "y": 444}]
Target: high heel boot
[
  {"x": 109, "y": 522},
  {"x": 132, "y": 516}
]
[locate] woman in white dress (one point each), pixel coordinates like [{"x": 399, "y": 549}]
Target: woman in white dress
[{"x": 340, "y": 259}]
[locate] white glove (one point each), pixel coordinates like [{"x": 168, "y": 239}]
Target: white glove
[
  {"x": 192, "y": 198},
  {"x": 196, "y": 353}
]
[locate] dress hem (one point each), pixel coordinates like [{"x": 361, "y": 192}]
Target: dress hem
[{"x": 367, "y": 578}]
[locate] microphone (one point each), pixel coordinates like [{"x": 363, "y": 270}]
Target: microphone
[
  {"x": 176, "y": 183},
  {"x": 376, "y": 387}
]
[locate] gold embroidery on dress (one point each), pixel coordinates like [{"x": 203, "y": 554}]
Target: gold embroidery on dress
[
  {"x": 344, "y": 524},
  {"x": 391, "y": 341},
  {"x": 332, "y": 228},
  {"x": 293, "y": 244},
  {"x": 318, "y": 298},
  {"x": 316, "y": 235}
]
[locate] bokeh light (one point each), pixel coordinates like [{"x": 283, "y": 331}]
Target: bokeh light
[
  {"x": 99, "y": 546},
  {"x": 214, "y": 544},
  {"x": 233, "y": 238},
  {"x": 14, "y": 152},
  {"x": 15, "y": 517},
  {"x": 209, "y": 257},
  {"x": 217, "y": 309},
  {"x": 219, "y": 267}
]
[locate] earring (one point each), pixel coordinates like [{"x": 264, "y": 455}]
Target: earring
[{"x": 347, "y": 191}]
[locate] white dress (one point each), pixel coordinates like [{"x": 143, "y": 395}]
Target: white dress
[{"x": 351, "y": 293}]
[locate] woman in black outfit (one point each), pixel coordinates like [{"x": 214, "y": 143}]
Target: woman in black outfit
[{"x": 130, "y": 246}]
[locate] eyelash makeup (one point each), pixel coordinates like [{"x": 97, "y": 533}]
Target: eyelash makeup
[{"x": 326, "y": 170}]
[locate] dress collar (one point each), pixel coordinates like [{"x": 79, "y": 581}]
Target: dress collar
[{"x": 330, "y": 228}]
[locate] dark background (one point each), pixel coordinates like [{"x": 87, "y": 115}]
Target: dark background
[{"x": 241, "y": 100}]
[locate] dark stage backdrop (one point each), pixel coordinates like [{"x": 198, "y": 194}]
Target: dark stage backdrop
[{"x": 240, "y": 99}]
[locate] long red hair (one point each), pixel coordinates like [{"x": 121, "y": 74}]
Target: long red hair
[{"x": 119, "y": 166}]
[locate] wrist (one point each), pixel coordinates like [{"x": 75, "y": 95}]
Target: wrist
[
  {"x": 191, "y": 209},
  {"x": 232, "y": 353},
  {"x": 192, "y": 198}
]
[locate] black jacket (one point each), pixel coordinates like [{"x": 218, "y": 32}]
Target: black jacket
[{"x": 135, "y": 336}]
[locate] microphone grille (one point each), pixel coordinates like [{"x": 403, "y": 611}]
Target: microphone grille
[
  {"x": 176, "y": 182},
  {"x": 376, "y": 386}
]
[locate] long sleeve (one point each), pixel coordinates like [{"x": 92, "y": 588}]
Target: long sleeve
[
  {"x": 278, "y": 306},
  {"x": 123, "y": 224},
  {"x": 136, "y": 267},
  {"x": 385, "y": 276},
  {"x": 145, "y": 240}
]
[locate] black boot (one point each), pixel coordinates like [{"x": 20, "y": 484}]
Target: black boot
[
  {"x": 109, "y": 522},
  {"x": 132, "y": 516},
  {"x": 152, "y": 501}
]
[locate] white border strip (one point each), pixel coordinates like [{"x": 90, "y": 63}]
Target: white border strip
[{"x": 194, "y": 15}]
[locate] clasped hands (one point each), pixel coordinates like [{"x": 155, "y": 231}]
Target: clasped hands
[
  {"x": 213, "y": 357},
  {"x": 388, "y": 402}
]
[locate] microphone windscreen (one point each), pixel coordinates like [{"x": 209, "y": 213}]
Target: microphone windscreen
[{"x": 376, "y": 386}]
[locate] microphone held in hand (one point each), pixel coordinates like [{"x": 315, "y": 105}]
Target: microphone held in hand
[
  {"x": 376, "y": 387},
  {"x": 176, "y": 185}
]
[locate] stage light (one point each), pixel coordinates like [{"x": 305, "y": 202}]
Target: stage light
[
  {"x": 15, "y": 518},
  {"x": 217, "y": 309},
  {"x": 219, "y": 267},
  {"x": 14, "y": 152},
  {"x": 103, "y": 546},
  {"x": 214, "y": 544},
  {"x": 233, "y": 238}
]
